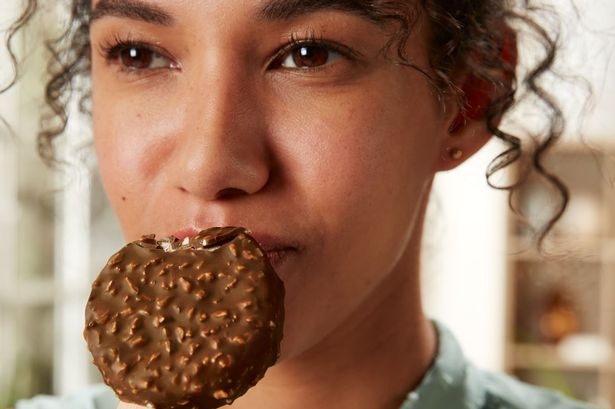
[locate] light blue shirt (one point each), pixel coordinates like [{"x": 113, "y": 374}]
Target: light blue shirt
[
  {"x": 451, "y": 383},
  {"x": 454, "y": 383}
]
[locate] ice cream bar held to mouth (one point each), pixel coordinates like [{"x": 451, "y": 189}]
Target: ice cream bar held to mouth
[{"x": 190, "y": 323}]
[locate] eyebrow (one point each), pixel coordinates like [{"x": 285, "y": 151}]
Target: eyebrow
[
  {"x": 272, "y": 10},
  {"x": 289, "y": 9},
  {"x": 131, "y": 9}
]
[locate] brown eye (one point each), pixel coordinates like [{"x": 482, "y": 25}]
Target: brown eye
[
  {"x": 309, "y": 56},
  {"x": 135, "y": 57}
]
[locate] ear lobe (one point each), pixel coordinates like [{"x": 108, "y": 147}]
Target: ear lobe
[{"x": 462, "y": 144}]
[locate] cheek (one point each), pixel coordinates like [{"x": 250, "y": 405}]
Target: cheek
[
  {"x": 369, "y": 181},
  {"x": 132, "y": 140},
  {"x": 360, "y": 149}
]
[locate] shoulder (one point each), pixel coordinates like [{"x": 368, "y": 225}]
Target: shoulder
[
  {"x": 454, "y": 383},
  {"x": 504, "y": 392},
  {"x": 93, "y": 397}
]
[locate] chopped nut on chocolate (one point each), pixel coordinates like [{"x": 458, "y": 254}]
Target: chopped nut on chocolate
[{"x": 179, "y": 324}]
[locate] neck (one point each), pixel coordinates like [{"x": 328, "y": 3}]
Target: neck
[{"x": 372, "y": 361}]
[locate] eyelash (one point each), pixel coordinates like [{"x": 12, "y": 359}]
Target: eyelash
[{"x": 111, "y": 51}]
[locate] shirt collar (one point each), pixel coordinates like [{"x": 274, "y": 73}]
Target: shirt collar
[{"x": 447, "y": 383}]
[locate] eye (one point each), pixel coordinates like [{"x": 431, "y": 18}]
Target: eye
[
  {"x": 134, "y": 56},
  {"x": 140, "y": 58},
  {"x": 307, "y": 56}
]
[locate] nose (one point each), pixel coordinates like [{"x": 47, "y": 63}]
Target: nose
[{"x": 223, "y": 150}]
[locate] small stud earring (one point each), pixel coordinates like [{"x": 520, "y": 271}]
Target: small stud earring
[{"x": 454, "y": 153}]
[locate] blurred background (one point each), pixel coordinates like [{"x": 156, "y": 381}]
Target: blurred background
[{"x": 548, "y": 320}]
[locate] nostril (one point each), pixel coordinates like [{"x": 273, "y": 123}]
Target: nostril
[{"x": 229, "y": 193}]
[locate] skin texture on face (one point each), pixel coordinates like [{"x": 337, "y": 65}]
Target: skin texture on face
[{"x": 210, "y": 114}]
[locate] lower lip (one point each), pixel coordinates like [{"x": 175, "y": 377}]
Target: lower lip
[
  {"x": 185, "y": 233},
  {"x": 278, "y": 258}
]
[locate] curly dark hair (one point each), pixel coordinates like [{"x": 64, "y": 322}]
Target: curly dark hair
[
  {"x": 465, "y": 36},
  {"x": 10, "y": 35}
]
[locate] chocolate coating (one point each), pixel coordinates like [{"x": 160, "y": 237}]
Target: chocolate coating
[{"x": 189, "y": 324}]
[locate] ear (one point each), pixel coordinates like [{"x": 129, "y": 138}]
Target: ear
[{"x": 467, "y": 130}]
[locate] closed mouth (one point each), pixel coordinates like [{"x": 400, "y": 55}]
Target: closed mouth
[{"x": 277, "y": 251}]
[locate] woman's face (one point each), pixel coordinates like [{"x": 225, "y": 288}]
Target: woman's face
[{"x": 282, "y": 116}]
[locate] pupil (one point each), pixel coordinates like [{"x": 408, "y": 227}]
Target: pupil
[
  {"x": 136, "y": 58},
  {"x": 310, "y": 56}
]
